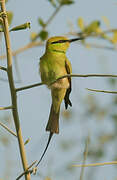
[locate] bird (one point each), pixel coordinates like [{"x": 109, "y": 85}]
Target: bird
[{"x": 53, "y": 65}]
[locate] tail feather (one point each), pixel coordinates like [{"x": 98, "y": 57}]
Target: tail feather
[
  {"x": 53, "y": 122},
  {"x": 66, "y": 98}
]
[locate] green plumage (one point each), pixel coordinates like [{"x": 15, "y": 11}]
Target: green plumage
[{"x": 54, "y": 64}]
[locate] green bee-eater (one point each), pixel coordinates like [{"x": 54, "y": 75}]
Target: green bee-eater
[{"x": 53, "y": 65}]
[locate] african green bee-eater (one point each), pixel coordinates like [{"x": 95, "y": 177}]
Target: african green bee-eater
[{"x": 53, "y": 65}]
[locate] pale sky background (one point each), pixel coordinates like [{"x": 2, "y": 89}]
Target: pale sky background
[{"x": 34, "y": 104}]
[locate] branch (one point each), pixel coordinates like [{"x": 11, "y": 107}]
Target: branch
[
  {"x": 5, "y": 108},
  {"x": 26, "y": 170},
  {"x": 9, "y": 130},
  {"x": 85, "y": 76},
  {"x": 103, "y": 91},
  {"x": 53, "y": 15},
  {"x": 95, "y": 164},
  {"x": 28, "y": 87},
  {"x": 99, "y": 46},
  {"x": 68, "y": 75},
  {"x": 12, "y": 88},
  {"x": 49, "y": 20},
  {"x": 84, "y": 157},
  {"x": 22, "y": 49},
  {"x": 93, "y": 34},
  {"x": 3, "y": 68}
]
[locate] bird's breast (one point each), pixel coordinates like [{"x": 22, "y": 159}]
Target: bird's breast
[{"x": 60, "y": 84}]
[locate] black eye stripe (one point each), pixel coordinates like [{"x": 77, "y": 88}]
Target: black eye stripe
[{"x": 60, "y": 41}]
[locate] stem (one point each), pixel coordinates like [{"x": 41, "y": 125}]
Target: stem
[
  {"x": 12, "y": 89},
  {"x": 53, "y": 15},
  {"x": 9, "y": 130},
  {"x": 28, "y": 87},
  {"x": 26, "y": 170},
  {"x": 103, "y": 91},
  {"x": 95, "y": 164},
  {"x": 50, "y": 19},
  {"x": 84, "y": 158},
  {"x": 5, "y": 108}
]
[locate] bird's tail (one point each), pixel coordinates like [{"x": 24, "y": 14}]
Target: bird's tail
[{"x": 53, "y": 122}]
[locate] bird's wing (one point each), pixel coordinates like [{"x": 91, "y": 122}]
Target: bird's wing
[{"x": 69, "y": 71}]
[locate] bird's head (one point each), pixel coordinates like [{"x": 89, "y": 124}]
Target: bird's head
[
  {"x": 52, "y": 46},
  {"x": 59, "y": 43}
]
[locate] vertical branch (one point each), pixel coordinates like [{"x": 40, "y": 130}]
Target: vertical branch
[
  {"x": 84, "y": 158},
  {"x": 12, "y": 89}
]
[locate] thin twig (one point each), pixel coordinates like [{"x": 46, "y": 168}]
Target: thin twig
[
  {"x": 103, "y": 91},
  {"x": 22, "y": 49},
  {"x": 5, "y": 108},
  {"x": 95, "y": 164},
  {"x": 93, "y": 34},
  {"x": 26, "y": 170},
  {"x": 3, "y": 68},
  {"x": 28, "y": 87},
  {"x": 68, "y": 75},
  {"x": 100, "y": 46},
  {"x": 85, "y": 75},
  {"x": 84, "y": 157},
  {"x": 9, "y": 130},
  {"x": 49, "y": 20},
  {"x": 53, "y": 15}
]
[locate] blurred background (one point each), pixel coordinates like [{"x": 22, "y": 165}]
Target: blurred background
[{"x": 93, "y": 116}]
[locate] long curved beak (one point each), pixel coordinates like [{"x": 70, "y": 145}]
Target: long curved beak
[{"x": 69, "y": 40}]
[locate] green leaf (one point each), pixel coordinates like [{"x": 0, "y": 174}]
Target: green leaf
[
  {"x": 41, "y": 22},
  {"x": 81, "y": 23},
  {"x": 66, "y": 2},
  {"x": 92, "y": 27},
  {"x": 27, "y": 141},
  {"x": 21, "y": 27},
  {"x": 43, "y": 35},
  {"x": 10, "y": 17}
]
